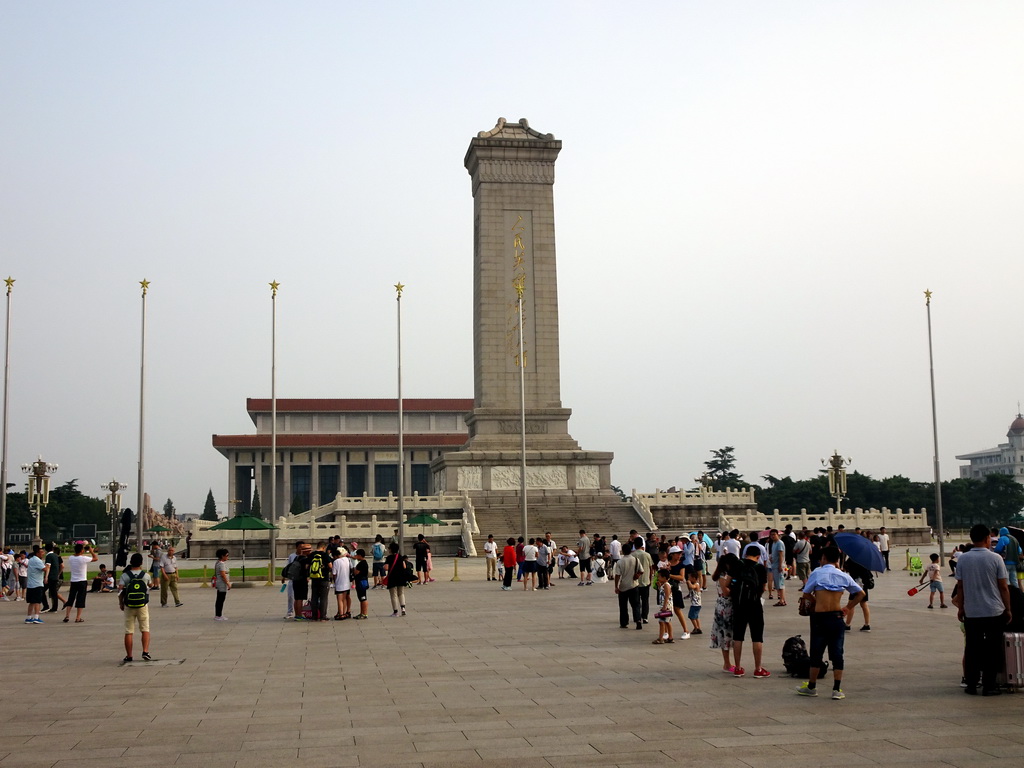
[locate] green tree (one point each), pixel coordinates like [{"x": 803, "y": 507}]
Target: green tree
[
  {"x": 68, "y": 506},
  {"x": 297, "y": 507},
  {"x": 169, "y": 509},
  {"x": 721, "y": 469},
  {"x": 210, "y": 509},
  {"x": 256, "y": 510}
]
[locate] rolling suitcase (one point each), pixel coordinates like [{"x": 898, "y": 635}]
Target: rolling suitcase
[{"x": 1013, "y": 644}]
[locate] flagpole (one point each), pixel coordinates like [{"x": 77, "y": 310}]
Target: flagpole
[
  {"x": 142, "y": 423},
  {"x": 273, "y": 425},
  {"x": 7, "y": 380},
  {"x": 522, "y": 414},
  {"x": 401, "y": 428},
  {"x": 935, "y": 434}
]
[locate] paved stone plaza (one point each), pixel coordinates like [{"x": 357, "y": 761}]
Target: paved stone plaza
[{"x": 474, "y": 675}]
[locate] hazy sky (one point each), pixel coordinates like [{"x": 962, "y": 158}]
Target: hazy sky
[{"x": 750, "y": 201}]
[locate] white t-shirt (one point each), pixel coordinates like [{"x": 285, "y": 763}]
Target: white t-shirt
[
  {"x": 883, "y": 542},
  {"x": 530, "y": 553},
  {"x": 79, "y": 567},
  {"x": 342, "y": 571},
  {"x": 730, "y": 546},
  {"x": 490, "y": 549},
  {"x": 615, "y": 549},
  {"x": 570, "y": 556}
]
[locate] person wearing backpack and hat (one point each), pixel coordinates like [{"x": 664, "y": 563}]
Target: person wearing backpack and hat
[
  {"x": 1009, "y": 549},
  {"x": 134, "y": 602}
]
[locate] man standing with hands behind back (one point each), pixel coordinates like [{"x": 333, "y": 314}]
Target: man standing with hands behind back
[{"x": 983, "y": 605}]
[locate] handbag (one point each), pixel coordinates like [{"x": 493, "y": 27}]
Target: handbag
[
  {"x": 384, "y": 578},
  {"x": 663, "y": 614},
  {"x": 806, "y": 605}
]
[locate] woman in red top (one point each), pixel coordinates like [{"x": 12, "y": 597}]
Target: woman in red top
[{"x": 508, "y": 559}]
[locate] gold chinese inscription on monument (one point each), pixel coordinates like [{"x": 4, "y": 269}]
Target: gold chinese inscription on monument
[{"x": 519, "y": 256}]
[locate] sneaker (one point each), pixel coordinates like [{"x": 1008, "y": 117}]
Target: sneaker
[
  {"x": 37, "y": 620},
  {"x": 178, "y": 605},
  {"x": 762, "y": 672},
  {"x": 866, "y": 628},
  {"x": 146, "y": 656},
  {"x": 696, "y": 632},
  {"x": 738, "y": 671},
  {"x": 806, "y": 690},
  {"x": 930, "y": 607},
  {"x": 838, "y": 694},
  {"x": 299, "y": 618},
  {"x": 848, "y": 627},
  {"x": 126, "y": 660},
  {"x": 30, "y": 620},
  {"x": 730, "y": 670},
  {"x": 394, "y": 614},
  {"x": 220, "y": 618},
  {"x": 506, "y": 589},
  {"x": 403, "y": 611},
  {"x": 582, "y": 584},
  {"x": 944, "y": 605},
  {"x": 684, "y": 636},
  {"x": 289, "y": 617}
]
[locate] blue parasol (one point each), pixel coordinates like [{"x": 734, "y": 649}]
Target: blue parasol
[
  {"x": 707, "y": 539},
  {"x": 862, "y": 551}
]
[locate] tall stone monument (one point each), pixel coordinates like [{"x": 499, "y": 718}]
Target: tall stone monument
[{"x": 512, "y": 167}]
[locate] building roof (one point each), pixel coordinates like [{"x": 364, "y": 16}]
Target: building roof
[
  {"x": 360, "y": 405},
  {"x": 336, "y": 440},
  {"x": 1017, "y": 427}
]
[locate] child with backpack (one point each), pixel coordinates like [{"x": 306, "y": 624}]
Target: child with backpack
[
  {"x": 360, "y": 580},
  {"x": 134, "y": 602}
]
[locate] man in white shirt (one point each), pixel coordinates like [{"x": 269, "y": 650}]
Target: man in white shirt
[
  {"x": 491, "y": 557},
  {"x": 169, "y": 578},
  {"x": 883, "y": 546},
  {"x": 730, "y": 545},
  {"x": 614, "y": 550},
  {"x": 79, "y": 580}
]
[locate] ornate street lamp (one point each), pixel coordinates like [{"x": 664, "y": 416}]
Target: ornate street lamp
[
  {"x": 38, "y": 490},
  {"x": 113, "y": 500},
  {"x": 837, "y": 477}
]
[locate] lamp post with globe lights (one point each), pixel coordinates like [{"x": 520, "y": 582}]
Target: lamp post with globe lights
[{"x": 38, "y": 491}]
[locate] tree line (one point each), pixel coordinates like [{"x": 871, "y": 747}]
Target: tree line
[{"x": 992, "y": 500}]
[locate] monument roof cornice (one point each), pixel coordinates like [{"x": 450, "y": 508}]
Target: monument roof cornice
[{"x": 513, "y": 144}]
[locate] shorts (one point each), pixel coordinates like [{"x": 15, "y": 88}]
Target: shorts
[
  {"x": 936, "y": 586},
  {"x": 76, "y": 594},
  {"x": 529, "y": 566},
  {"x": 421, "y": 565},
  {"x": 300, "y": 589},
  {"x": 23, "y": 582},
  {"x": 694, "y": 613},
  {"x": 131, "y": 615},
  {"x": 780, "y": 579},
  {"x": 866, "y": 595},
  {"x": 340, "y": 591},
  {"x": 803, "y": 571},
  {"x": 752, "y": 617},
  {"x": 361, "y": 586},
  {"x": 698, "y": 565},
  {"x": 34, "y": 595},
  {"x": 378, "y": 569},
  {"x": 584, "y": 565}
]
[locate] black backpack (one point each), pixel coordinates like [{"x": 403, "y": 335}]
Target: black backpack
[
  {"x": 745, "y": 587},
  {"x": 796, "y": 660},
  {"x": 292, "y": 571},
  {"x": 136, "y": 594}
]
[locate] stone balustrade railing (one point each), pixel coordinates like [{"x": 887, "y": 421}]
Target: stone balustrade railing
[
  {"x": 873, "y": 519},
  {"x": 703, "y": 497}
]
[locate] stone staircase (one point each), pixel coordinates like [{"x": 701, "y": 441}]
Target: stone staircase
[{"x": 563, "y": 514}]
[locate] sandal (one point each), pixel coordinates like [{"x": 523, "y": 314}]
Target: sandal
[
  {"x": 776, "y": 605},
  {"x": 659, "y": 641},
  {"x": 79, "y": 621}
]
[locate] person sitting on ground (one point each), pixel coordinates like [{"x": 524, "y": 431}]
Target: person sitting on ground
[{"x": 99, "y": 579}]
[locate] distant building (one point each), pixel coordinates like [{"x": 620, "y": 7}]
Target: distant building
[
  {"x": 1004, "y": 459},
  {"x": 328, "y": 446}
]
